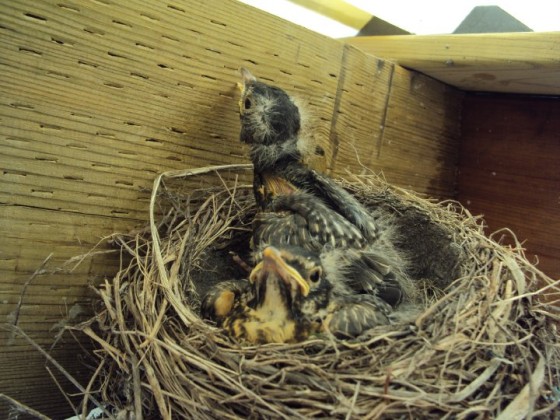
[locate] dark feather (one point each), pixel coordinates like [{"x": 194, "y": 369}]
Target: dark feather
[
  {"x": 300, "y": 219},
  {"x": 353, "y": 315}
]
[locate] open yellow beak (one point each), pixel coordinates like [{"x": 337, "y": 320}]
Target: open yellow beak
[{"x": 273, "y": 262}]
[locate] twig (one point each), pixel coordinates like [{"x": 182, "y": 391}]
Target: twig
[
  {"x": 239, "y": 261},
  {"x": 37, "y": 272},
  {"x": 137, "y": 388},
  {"x": 24, "y": 408},
  {"x": 353, "y": 402},
  {"x": 88, "y": 388},
  {"x": 49, "y": 358},
  {"x": 62, "y": 390}
]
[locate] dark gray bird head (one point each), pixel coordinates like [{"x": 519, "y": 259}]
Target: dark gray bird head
[{"x": 270, "y": 121}]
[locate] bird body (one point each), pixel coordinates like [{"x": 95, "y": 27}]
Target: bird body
[
  {"x": 300, "y": 207},
  {"x": 270, "y": 123},
  {"x": 289, "y": 297}
]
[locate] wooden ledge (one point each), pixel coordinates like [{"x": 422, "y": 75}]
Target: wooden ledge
[{"x": 527, "y": 62}]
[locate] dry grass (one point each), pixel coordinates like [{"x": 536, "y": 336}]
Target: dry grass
[{"x": 486, "y": 348}]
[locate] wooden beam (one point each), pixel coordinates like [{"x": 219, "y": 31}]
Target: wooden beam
[
  {"x": 502, "y": 62},
  {"x": 338, "y": 10}
]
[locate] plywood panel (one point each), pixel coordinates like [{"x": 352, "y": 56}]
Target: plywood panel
[
  {"x": 365, "y": 85},
  {"x": 418, "y": 148},
  {"x": 509, "y": 169},
  {"x": 96, "y": 98},
  {"x": 411, "y": 132},
  {"x": 524, "y": 62},
  {"x": 25, "y": 377}
]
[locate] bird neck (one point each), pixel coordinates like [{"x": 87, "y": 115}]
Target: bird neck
[{"x": 267, "y": 157}]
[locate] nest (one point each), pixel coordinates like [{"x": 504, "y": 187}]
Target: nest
[{"x": 484, "y": 347}]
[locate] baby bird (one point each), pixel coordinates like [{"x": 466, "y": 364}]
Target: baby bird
[
  {"x": 289, "y": 297},
  {"x": 301, "y": 207}
]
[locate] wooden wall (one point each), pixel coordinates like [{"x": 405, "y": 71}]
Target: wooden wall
[
  {"x": 510, "y": 169},
  {"x": 97, "y": 97}
]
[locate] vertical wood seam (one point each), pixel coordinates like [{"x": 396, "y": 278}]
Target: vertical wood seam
[
  {"x": 333, "y": 134},
  {"x": 457, "y": 161},
  {"x": 385, "y": 110}
]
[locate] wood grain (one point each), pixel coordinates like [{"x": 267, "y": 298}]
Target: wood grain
[
  {"x": 527, "y": 62},
  {"x": 510, "y": 170},
  {"x": 415, "y": 150},
  {"x": 409, "y": 131}
]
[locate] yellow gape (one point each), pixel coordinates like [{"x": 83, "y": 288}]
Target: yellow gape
[{"x": 284, "y": 270}]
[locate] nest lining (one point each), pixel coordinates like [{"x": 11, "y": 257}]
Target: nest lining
[{"x": 485, "y": 347}]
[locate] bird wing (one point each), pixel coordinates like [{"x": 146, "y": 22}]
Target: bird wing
[
  {"x": 345, "y": 204},
  {"x": 351, "y": 315},
  {"x": 301, "y": 219},
  {"x": 372, "y": 270}
]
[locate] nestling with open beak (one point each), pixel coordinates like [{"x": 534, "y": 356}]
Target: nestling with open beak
[{"x": 287, "y": 298}]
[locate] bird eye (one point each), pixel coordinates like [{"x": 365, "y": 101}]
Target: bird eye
[
  {"x": 247, "y": 103},
  {"x": 315, "y": 275}
]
